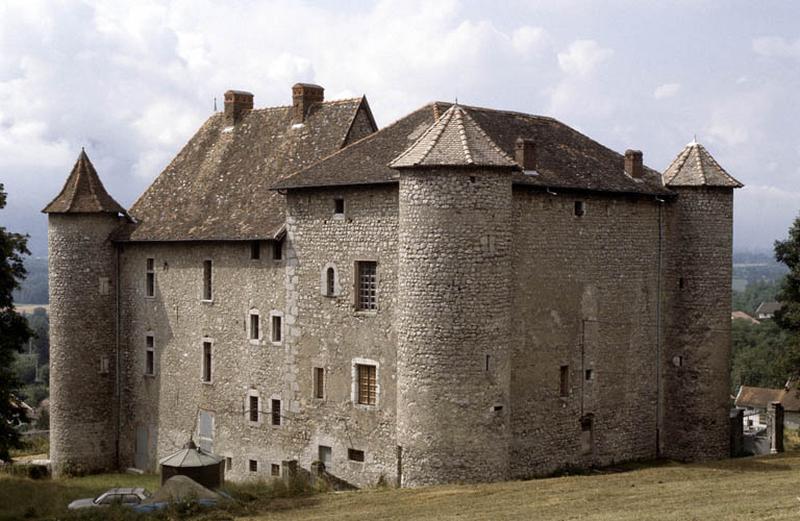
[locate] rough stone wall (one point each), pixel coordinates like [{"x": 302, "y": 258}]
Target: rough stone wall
[
  {"x": 328, "y": 332},
  {"x": 696, "y": 363},
  {"x": 362, "y": 127},
  {"x": 454, "y": 312},
  {"x": 584, "y": 295},
  {"x": 82, "y": 332}
]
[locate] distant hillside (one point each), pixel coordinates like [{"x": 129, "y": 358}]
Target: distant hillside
[
  {"x": 34, "y": 287},
  {"x": 751, "y": 268}
]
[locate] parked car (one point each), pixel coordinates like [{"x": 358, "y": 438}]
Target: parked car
[{"x": 115, "y": 496}]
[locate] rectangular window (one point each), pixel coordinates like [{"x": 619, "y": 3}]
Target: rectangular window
[
  {"x": 150, "y": 355},
  {"x": 253, "y": 464},
  {"x": 207, "y": 294},
  {"x": 277, "y": 332},
  {"x": 338, "y": 206},
  {"x": 228, "y": 463},
  {"x": 255, "y": 325},
  {"x": 319, "y": 383},
  {"x": 277, "y": 250},
  {"x": 367, "y": 384},
  {"x": 105, "y": 364},
  {"x": 150, "y": 282},
  {"x": 587, "y": 434},
  {"x": 253, "y": 401},
  {"x": 367, "y": 285},
  {"x": 275, "y": 470},
  {"x": 564, "y": 383},
  {"x": 207, "y": 361},
  {"x": 105, "y": 284},
  {"x": 325, "y": 455},
  {"x": 276, "y": 412},
  {"x": 580, "y": 208},
  {"x": 588, "y": 374},
  {"x": 255, "y": 250},
  {"x": 355, "y": 455}
]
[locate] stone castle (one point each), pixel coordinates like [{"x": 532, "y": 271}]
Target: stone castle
[{"x": 465, "y": 295}]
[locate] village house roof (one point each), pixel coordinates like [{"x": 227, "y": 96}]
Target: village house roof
[
  {"x": 757, "y": 397},
  {"x": 83, "y": 192},
  {"x": 217, "y": 187},
  {"x": 454, "y": 140},
  {"x": 768, "y": 308},
  {"x": 694, "y": 166},
  {"x": 565, "y": 158}
]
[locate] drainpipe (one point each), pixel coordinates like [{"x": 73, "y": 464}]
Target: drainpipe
[
  {"x": 659, "y": 393},
  {"x": 118, "y": 371}
]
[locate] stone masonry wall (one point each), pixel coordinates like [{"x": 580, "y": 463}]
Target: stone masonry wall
[
  {"x": 82, "y": 337},
  {"x": 453, "y": 321},
  {"x": 585, "y": 293},
  {"x": 696, "y": 364}
]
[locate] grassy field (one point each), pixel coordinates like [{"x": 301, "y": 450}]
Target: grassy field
[
  {"x": 22, "y": 498},
  {"x": 764, "y": 488}
]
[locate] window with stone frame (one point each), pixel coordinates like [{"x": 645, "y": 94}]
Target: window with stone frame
[
  {"x": 254, "y": 326},
  {"x": 207, "y": 280},
  {"x": 276, "y": 412},
  {"x": 275, "y": 470},
  {"x": 366, "y": 285},
  {"x": 150, "y": 278},
  {"x": 330, "y": 281},
  {"x": 252, "y": 465},
  {"x": 355, "y": 455},
  {"x": 150, "y": 355},
  {"x": 319, "y": 383},
  {"x": 253, "y": 404},
  {"x": 276, "y": 330},
  {"x": 367, "y": 382}
]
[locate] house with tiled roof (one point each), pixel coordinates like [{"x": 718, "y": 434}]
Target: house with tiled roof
[
  {"x": 467, "y": 294},
  {"x": 767, "y": 310}
]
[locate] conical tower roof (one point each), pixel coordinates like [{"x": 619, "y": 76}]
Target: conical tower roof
[
  {"x": 455, "y": 139},
  {"x": 694, "y": 166},
  {"x": 83, "y": 192}
]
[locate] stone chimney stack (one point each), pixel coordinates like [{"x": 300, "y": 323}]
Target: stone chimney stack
[
  {"x": 303, "y": 96},
  {"x": 237, "y": 104},
  {"x": 633, "y": 163},
  {"x": 525, "y": 153}
]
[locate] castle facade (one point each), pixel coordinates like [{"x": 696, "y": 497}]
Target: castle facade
[{"x": 464, "y": 295}]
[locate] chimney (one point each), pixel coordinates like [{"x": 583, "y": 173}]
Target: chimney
[
  {"x": 303, "y": 96},
  {"x": 633, "y": 163},
  {"x": 237, "y": 104},
  {"x": 525, "y": 153}
]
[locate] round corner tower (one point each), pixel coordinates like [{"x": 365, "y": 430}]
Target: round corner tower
[
  {"x": 454, "y": 317},
  {"x": 697, "y": 350},
  {"x": 82, "y": 266}
]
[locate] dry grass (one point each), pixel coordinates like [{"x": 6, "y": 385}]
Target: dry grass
[{"x": 763, "y": 488}]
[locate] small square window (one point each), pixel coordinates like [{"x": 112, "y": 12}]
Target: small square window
[
  {"x": 253, "y": 464},
  {"x": 338, "y": 206},
  {"x": 580, "y": 209},
  {"x": 277, "y": 333},
  {"x": 255, "y": 250},
  {"x": 355, "y": 455},
  {"x": 275, "y": 469},
  {"x": 276, "y": 412}
]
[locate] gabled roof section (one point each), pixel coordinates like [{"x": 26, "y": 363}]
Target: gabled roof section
[
  {"x": 566, "y": 158},
  {"x": 694, "y": 166},
  {"x": 83, "y": 192},
  {"x": 757, "y": 397},
  {"x": 217, "y": 187},
  {"x": 454, "y": 140}
]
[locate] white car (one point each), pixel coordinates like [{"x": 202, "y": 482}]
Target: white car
[{"x": 115, "y": 496}]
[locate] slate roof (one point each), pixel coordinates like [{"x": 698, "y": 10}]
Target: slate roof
[
  {"x": 694, "y": 166},
  {"x": 453, "y": 140},
  {"x": 565, "y": 157},
  {"x": 217, "y": 187},
  {"x": 83, "y": 192}
]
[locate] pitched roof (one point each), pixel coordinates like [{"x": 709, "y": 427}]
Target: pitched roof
[
  {"x": 83, "y": 192},
  {"x": 694, "y": 166},
  {"x": 190, "y": 456},
  {"x": 217, "y": 187},
  {"x": 565, "y": 157},
  {"x": 768, "y": 308},
  {"x": 757, "y": 397},
  {"x": 453, "y": 140}
]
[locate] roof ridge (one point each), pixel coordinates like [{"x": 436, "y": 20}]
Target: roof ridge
[{"x": 325, "y": 102}]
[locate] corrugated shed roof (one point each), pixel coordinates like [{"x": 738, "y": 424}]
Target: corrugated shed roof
[
  {"x": 217, "y": 187},
  {"x": 83, "y": 192},
  {"x": 694, "y": 166},
  {"x": 565, "y": 157},
  {"x": 453, "y": 140}
]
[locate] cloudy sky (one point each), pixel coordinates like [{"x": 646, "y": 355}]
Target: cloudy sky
[{"x": 131, "y": 81}]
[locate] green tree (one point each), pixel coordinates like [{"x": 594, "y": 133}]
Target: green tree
[
  {"x": 14, "y": 333},
  {"x": 788, "y": 317}
]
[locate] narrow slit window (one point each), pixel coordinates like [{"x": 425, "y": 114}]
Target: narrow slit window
[
  {"x": 150, "y": 282},
  {"x": 150, "y": 355},
  {"x": 319, "y": 382},
  {"x": 276, "y": 412},
  {"x": 338, "y": 206},
  {"x": 255, "y": 326},
  {"x": 330, "y": 281},
  {"x": 207, "y": 291},
  {"x": 277, "y": 325},
  {"x": 255, "y": 250},
  {"x": 206, "y": 362},
  {"x": 253, "y": 402},
  {"x": 487, "y": 362},
  {"x": 367, "y": 384},
  {"x": 367, "y": 281},
  {"x": 277, "y": 250},
  {"x": 580, "y": 208},
  {"x": 355, "y": 455},
  {"x": 564, "y": 381}
]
